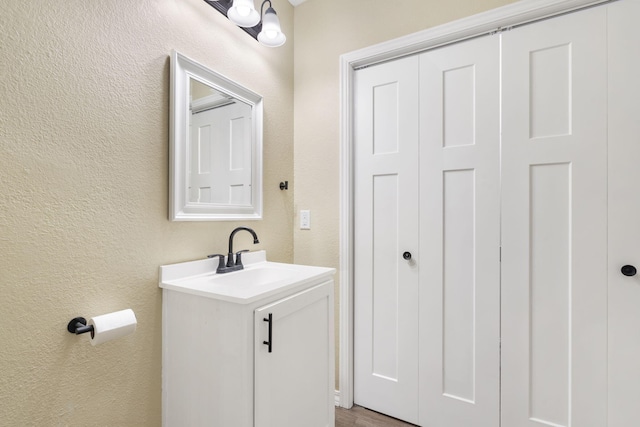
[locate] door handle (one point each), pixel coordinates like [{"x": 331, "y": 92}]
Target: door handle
[
  {"x": 269, "y": 343},
  {"x": 628, "y": 270},
  {"x": 406, "y": 255}
]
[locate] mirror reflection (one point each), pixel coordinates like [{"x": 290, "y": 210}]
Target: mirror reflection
[{"x": 220, "y": 147}]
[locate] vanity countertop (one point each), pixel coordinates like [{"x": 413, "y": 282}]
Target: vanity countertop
[{"x": 259, "y": 278}]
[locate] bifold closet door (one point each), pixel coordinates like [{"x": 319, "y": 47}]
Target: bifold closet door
[
  {"x": 554, "y": 222},
  {"x": 460, "y": 235},
  {"x": 624, "y": 213},
  {"x": 386, "y": 238}
]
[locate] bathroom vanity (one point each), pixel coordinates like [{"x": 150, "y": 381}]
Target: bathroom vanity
[{"x": 251, "y": 348}]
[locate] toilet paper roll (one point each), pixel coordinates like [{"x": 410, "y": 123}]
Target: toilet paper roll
[{"x": 113, "y": 325}]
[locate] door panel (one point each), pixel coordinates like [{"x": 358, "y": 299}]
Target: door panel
[
  {"x": 386, "y": 226},
  {"x": 554, "y": 222},
  {"x": 624, "y": 213},
  {"x": 460, "y": 234},
  {"x": 549, "y": 290}
]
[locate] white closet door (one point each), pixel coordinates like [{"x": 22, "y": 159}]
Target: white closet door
[
  {"x": 386, "y": 226},
  {"x": 624, "y": 213},
  {"x": 554, "y": 216},
  {"x": 460, "y": 235}
]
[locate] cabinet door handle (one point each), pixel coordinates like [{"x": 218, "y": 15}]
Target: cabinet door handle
[{"x": 270, "y": 320}]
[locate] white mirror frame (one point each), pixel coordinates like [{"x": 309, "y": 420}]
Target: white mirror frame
[{"x": 180, "y": 208}]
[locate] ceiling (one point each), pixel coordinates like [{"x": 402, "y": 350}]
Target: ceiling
[{"x": 296, "y": 2}]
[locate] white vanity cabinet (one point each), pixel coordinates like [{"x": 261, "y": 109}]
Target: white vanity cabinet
[{"x": 222, "y": 367}]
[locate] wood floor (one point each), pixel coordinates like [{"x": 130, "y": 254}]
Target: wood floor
[{"x": 361, "y": 417}]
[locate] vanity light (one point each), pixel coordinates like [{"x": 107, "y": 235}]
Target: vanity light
[
  {"x": 271, "y": 34},
  {"x": 244, "y": 14}
]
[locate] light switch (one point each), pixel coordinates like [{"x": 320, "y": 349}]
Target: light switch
[{"x": 305, "y": 220}]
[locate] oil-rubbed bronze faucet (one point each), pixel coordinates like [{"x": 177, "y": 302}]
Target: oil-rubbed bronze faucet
[{"x": 232, "y": 265}]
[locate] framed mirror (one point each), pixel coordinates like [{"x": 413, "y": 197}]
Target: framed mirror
[{"x": 215, "y": 161}]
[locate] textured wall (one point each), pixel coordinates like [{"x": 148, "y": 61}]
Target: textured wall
[
  {"x": 84, "y": 108},
  {"x": 324, "y": 30}
]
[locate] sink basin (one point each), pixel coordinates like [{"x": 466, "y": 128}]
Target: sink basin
[
  {"x": 259, "y": 275},
  {"x": 259, "y": 279}
]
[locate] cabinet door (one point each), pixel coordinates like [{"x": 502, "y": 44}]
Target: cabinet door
[{"x": 294, "y": 370}]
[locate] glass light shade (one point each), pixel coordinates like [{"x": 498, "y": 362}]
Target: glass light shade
[
  {"x": 271, "y": 34},
  {"x": 243, "y": 13}
]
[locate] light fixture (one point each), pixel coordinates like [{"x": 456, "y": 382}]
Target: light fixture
[
  {"x": 244, "y": 14},
  {"x": 271, "y": 34}
]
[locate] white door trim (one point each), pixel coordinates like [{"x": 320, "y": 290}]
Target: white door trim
[{"x": 510, "y": 15}]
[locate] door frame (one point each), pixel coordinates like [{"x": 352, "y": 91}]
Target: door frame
[{"x": 490, "y": 22}]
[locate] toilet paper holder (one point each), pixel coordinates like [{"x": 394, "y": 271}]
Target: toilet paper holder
[
  {"x": 105, "y": 327},
  {"x": 78, "y": 325}
]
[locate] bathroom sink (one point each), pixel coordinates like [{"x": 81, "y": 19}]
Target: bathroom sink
[
  {"x": 258, "y": 275},
  {"x": 259, "y": 278}
]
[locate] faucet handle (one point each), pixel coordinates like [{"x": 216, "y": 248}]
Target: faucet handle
[
  {"x": 221, "y": 266},
  {"x": 239, "y": 256},
  {"x": 220, "y": 258}
]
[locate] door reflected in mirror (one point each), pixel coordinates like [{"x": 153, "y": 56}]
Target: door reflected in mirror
[
  {"x": 220, "y": 147},
  {"x": 215, "y": 146}
]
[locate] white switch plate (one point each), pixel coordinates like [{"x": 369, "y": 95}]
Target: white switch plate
[{"x": 305, "y": 220}]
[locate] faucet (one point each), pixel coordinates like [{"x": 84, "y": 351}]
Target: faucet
[{"x": 231, "y": 265}]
